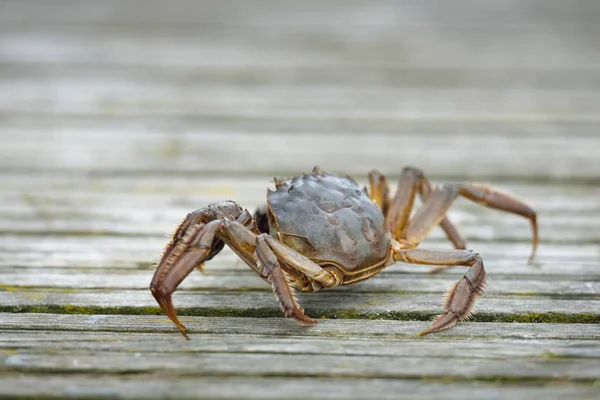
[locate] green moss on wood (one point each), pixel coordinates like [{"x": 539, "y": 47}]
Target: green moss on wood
[
  {"x": 550, "y": 317},
  {"x": 8, "y": 288},
  {"x": 548, "y": 355}
]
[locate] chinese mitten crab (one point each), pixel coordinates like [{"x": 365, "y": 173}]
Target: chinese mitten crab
[{"x": 319, "y": 231}]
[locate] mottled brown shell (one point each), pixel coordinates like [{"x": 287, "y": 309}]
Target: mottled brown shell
[{"x": 329, "y": 219}]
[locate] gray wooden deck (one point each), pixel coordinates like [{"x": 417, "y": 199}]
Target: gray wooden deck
[{"x": 119, "y": 117}]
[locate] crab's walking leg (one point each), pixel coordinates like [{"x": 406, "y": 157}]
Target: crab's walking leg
[
  {"x": 397, "y": 212},
  {"x": 448, "y": 227},
  {"x": 271, "y": 255},
  {"x": 298, "y": 263},
  {"x": 278, "y": 264},
  {"x": 284, "y": 293},
  {"x": 463, "y": 294},
  {"x": 440, "y": 199},
  {"x": 492, "y": 198},
  {"x": 379, "y": 190}
]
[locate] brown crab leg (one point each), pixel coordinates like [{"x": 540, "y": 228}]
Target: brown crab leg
[
  {"x": 462, "y": 295},
  {"x": 492, "y": 198},
  {"x": 194, "y": 246},
  {"x": 303, "y": 265},
  {"x": 279, "y": 265},
  {"x": 412, "y": 181},
  {"x": 284, "y": 293},
  {"x": 195, "y": 242},
  {"x": 187, "y": 254},
  {"x": 448, "y": 227},
  {"x": 265, "y": 255},
  {"x": 440, "y": 199},
  {"x": 379, "y": 190}
]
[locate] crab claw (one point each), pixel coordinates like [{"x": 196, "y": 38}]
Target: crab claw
[{"x": 184, "y": 254}]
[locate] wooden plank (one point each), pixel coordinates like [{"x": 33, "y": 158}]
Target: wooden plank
[
  {"x": 428, "y": 127},
  {"x": 189, "y": 153},
  {"x": 138, "y": 97},
  {"x": 231, "y": 46},
  {"x": 256, "y": 364},
  {"x": 230, "y": 280},
  {"x": 153, "y": 206},
  {"x": 59, "y": 192},
  {"x": 155, "y": 12},
  {"x": 113, "y": 251},
  {"x": 370, "y": 77},
  {"x": 278, "y": 327},
  {"x": 329, "y": 304},
  {"x": 37, "y": 342},
  {"x": 229, "y": 25},
  {"x": 151, "y": 386},
  {"x": 27, "y": 350},
  {"x": 528, "y": 358}
]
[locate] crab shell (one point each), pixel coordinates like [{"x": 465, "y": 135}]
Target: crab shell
[{"x": 330, "y": 220}]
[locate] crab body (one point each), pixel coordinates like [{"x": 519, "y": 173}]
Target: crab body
[
  {"x": 331, "y": 220},
  {"x": 319, "y": 231}
]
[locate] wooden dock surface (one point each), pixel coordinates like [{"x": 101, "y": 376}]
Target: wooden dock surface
[{"x": 119, "y": 117}]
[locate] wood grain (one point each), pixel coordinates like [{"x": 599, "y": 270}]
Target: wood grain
[
  {"x": 119, "y": 117},
  {"x": 151, "y": 386}
]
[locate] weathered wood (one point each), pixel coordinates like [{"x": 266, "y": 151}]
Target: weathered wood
[
  {"x": 115, "y": 254},
  {"x": 239, "y": 347},
  {"x": 278, "y": 327},
  {"x": 103, "y": 206},
  {"x": 234, "y": 13},
  {"x": 151, "y": 386},
  {"x": 270, "y": 364},
  {"x": 191, "y": 93},
  {"x": 215, "y": 279},
  {"x": 28, "y": 342},
  {"x": 451, "y": 156},
  {"x": 119, "y": 117},
  {"x": 330, "y": 304}
]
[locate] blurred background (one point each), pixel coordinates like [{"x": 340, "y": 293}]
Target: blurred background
[
  {"x": 140, "y": 110},
  {"x": 269, "y": 87}
]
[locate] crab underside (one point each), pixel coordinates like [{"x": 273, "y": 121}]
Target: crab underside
[{"x": 319, "y": 231}]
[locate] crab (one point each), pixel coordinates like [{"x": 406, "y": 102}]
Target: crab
[{"x": 319, "y": 230}]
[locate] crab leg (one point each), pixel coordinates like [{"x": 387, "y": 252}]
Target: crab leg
[
  {"x": 278, "y": 265},
  {"x": 492, "y": 198},
  {"x": 448, "y": 227},
  {"x": 187, "y": 254},
  {"x": 440, "y": 199},
  {"x": 268, "y": 257},
  {"x": 462, "y": 295},
  {"x": 379, "y": 190},
  {"x": 197, "y": 239},
  {"x": 283, "y": 291},
  {"x": 261, "y": 252},
  {"x": 412, "y": 181},
  {"x": 325, "y": 278}
]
